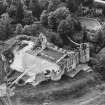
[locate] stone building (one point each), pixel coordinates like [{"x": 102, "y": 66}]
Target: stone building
[{"x": 42, "y": 60}]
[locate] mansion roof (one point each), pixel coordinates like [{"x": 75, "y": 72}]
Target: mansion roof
[{"x": 52, "y": 54}]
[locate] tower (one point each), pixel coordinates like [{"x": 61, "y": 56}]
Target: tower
[{"x": 84, "y": 53}]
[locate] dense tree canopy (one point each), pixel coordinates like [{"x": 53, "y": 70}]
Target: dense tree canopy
[
  {"x": 54, "y": 38},
  {"x": 99, "y": 65},
  {"x": 44, "y": 18},
  {"x": 55, "y": 17},
  {"x": 28, "y": 18},
  {"x": 73, "y": 5},
  {"x": 35, "y": 7},
  {"x": 2, "y": 8},
  {"x": 19, "y": 12},
  {"x": 19, "y": 29},
  {"x": 65, "y": 28},
  {"x": 11, "y": 11},
  {"x": 53, "y": 4},
  {"x": 32, "y": 30},
  {"x": 5, "y": 30},
  {"x": 44, "y": 4}
]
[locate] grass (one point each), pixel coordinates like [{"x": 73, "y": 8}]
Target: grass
[{"x": 65, "y": 89}]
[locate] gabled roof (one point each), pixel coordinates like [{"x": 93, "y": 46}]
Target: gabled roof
[
  {"x": 47, "y": 54},
  {"x": 51, "y": 54}
]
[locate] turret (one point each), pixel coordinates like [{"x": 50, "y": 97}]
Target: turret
[{"x": 84, "y": 53}]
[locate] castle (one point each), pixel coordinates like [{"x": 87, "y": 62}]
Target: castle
[{"x": 41, "y": 60}]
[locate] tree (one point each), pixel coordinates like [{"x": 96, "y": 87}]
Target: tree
[
  {"x": 35, "y": 7},
  {"x": 103, "y": 12},
  {"x": 64, "y": 28},
  {"x": 53, "y": 5},
  {"x": 54, "y": 38},
  {"x": 61, "y": 13},
  {"x": 55, "y": 17},
  {"x": 52, "y": 22},
  {"x": 44, "y": 4},
  {"x": 32, "y": 30},
  {"x": 77, "y": 25},
  {"x": 5, "y": 27},
  {"x": 88, "y": 3},
  {"x": 2, "y": 8},
  {"x": 19, "y": 29},
  {"x": 70, "y": 27},
  {"x": 36, "y": 29},
  {"x": 44, "y": 18},
  {"x": 73, "y": 5},
  {"x": 9, "y": 2},
  {"x": 28, "y": 18},
  {"x": 27, "y": 30},
  {"x": 11, "y": 11},
  {"x": 99, "y": 67},
  {"x": 78, "y": 37},
  {"x": 100, "y": 38},
  {"x": 19, "y": 12},
  {"x": 5, "y": 30},
  {"x": 2, "y": 72},
  {"x": 62, "y": 4},
  {"x": 27, "y": 2}
]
